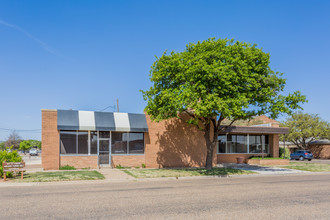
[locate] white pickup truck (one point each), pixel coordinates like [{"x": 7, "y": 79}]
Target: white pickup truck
[{"x": 33, "y": 152}]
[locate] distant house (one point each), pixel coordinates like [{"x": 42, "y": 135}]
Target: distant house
[{"x": 319, "y": 148}]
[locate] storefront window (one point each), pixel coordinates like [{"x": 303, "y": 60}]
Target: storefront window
[
  {"x": 93, "y": 142},
  {"x": 119, "y": 142},
  {"x": 136, "y": 143},
  {"x": 83, "y": 142},
  {"x": 68, "y": 142}
]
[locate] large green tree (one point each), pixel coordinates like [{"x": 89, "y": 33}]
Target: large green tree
[
  {"x": 214, "y": 80},
  {"x": 305, "y": 128},
  {"x": 24, "y": 145}
]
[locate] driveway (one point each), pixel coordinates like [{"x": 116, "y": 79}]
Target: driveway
[
  {"x": 258, "y": 197},
  {"x": 264, "y": 170}
]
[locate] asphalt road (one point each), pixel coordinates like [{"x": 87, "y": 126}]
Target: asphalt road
[{"x": 263, "y": 197}]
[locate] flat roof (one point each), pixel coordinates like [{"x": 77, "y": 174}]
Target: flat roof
[{"x": 255, "y": 130}]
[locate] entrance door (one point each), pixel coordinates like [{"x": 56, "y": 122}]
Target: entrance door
[{"x": 104, "y": 156}]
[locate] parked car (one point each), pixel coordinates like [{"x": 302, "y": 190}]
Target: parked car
[
  {"x": 301, "y": 155},
  {"x": 33, "y": 152}
]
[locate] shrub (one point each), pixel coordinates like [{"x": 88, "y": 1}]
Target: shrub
[
  {"x": 287, "y": 153},
  {"x": 67, "y": 167},
  {"x": 143, "y": 165},
  {"x": 8, "y": 156}
]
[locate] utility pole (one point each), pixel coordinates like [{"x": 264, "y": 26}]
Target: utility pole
[{"x": 117, "y": 105}]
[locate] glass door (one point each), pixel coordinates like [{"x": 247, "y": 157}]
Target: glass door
[{"x": 104, "y": 151}]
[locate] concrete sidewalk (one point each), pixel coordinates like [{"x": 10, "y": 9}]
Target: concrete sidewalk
[
  {"x": 115, "y": 174},
  {"x": 263, "y": 169}
]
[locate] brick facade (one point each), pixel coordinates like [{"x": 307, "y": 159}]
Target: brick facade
[
  {"x": 128, "y": 160},
  {"x": 274, "y": 145},
  {"x": 173, "y": 143},
  {"x": 170, "y": 143},
  {"x": 50, "y": 140},
  {"x": 81, "y": 161}
]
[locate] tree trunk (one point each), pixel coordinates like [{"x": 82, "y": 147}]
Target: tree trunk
[{"x": 210, "y": 145}]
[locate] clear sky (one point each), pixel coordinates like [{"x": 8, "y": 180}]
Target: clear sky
[{"x": 85, "y": 54}]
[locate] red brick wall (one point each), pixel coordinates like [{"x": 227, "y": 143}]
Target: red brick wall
[
  {"x": 231, "y": 158},
  {"x": 174, "y": 143},
  {"x": 79, "y": 161},
  {"x": 274, "y": 145},
  {"x": 50, "y": 140},
  {"x": 128, "y": 160},
  {"x": 320, "y": 151}
]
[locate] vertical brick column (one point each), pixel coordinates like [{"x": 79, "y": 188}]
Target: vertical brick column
[
  {"x": 50, "y": 140},
  {"x": 274, "y": 145}
]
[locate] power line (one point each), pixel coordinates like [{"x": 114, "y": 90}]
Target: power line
[
  {"x": 110, "y": 106},
  {"x": 20, "y": 130}
]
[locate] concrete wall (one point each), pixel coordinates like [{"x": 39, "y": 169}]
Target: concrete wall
[{"x": 50, "y": 140}]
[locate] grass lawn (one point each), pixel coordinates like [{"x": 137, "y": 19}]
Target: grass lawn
[
  {"x": 268, "y": 158},
  {"x": 313, "y": 167},
  {"x": 153, "y": 173},
  {"x": 60, "y": 176}
]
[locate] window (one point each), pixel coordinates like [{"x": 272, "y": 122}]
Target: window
[
  {"x": 93, "y": 142},
  {"x": 222, "y": 144},
  {"x": 79, "y": 142},
  {"x": 83, "y": 142},
  {"x": 104, "y": 134},
  {"x": 119, "y": 142},
  {"x": 136, "y": 143},
  {"x": 68, "y": 142},
  {"x": 242, "y": 144},
  {"x": 237, "y": 143},
  {"x": 74, "y": 142}
]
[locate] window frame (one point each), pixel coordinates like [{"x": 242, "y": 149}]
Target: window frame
[
  {"x": 98, "y": 138},
  {"x": 267, "y": 146}
]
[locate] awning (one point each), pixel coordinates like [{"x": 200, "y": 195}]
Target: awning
[{"x": 101, "y": 121}]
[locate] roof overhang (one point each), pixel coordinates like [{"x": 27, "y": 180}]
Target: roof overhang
[{"x": 255, "y": 130}]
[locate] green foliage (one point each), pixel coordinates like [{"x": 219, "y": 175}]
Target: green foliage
[
  {"x": 304, "y": 128},
  {"x": 143, "y": 165},
  {"x": 8, "y": 156},
  {"x": 217, "y": 79},
  {"x": 67, "y": 167},
  {"x": 287, "y": 153},
  {"x": 2, "y": 146},
  {"x": 121, "y": 167},
  {"x": 35, "y": 143},
  {"x": 25, "y": 145}
]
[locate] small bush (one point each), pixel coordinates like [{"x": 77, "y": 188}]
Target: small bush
[
  {"x": 287, "y": 153},
  {"x": 143, "y": 165},
  {"x": 8, "y": 156},
  {"x": 137, "y": 167},
  {"x": 119, "y": 166},
  {"x": 67, "y": 167}
]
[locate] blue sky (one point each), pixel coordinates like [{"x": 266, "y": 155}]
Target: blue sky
[{"x": 86, "y": 54}]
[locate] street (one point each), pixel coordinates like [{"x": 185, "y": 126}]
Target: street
[{"x": 263, "y": 197}]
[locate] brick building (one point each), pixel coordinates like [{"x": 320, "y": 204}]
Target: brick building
[{"x": 91, "y": 139}]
